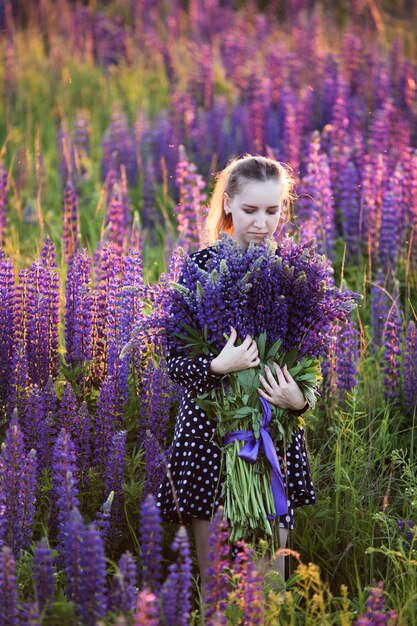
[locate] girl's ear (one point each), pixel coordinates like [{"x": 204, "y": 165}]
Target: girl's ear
[{"x": 226, "y": 203}]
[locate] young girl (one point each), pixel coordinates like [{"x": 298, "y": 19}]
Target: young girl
[{"x": 247, "y": 203}]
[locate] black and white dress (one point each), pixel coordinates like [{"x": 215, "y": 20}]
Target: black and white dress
[{"x": 194, "y": 471}]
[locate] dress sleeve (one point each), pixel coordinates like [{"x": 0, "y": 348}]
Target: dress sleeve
[{"x": 192, "y": 373}]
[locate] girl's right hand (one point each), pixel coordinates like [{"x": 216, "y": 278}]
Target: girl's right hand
[{"x": 234, "y": 358}]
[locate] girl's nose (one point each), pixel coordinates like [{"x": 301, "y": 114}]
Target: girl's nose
[{"x": 260, "y": 221}]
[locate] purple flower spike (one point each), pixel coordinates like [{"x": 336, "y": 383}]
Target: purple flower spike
[
  {"x": 151, "y": 544},
  {"x": 376, "y": 614},
  {"x": 7, "y": 328},
  {"x": 379, "y": 308},
  {"x": 347, "y": 357},
  {"x": 44, "y": 571},
  {"x": 78, "y": 310},
  {"x": 190, "y": 211},
  {"x": 176, "y": 591},
  {"x": 92, "y": 602},
  {"x": 216, "y": 589},
  {"x": 71, "y": 221},
  {"x": 124, "y": 589},
  {"x": 8, "y": 588},
  {"x": 147, "y": 609},
  {"x": 392, "y": 343},
  {"x": 18, "y": 488},
  {"x": 410, "y": 368},
  {"x": 72, "y": 554},
  {"x": 64, "y": 492},
  {"x": 114, "y": 482}
]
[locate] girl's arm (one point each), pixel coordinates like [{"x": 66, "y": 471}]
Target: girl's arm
[
  {"x": 192, "y": 373},
  {"x": 282, "y": 391}
]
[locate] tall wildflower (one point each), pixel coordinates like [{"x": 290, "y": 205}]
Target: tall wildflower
[
  {"x": 379, "y": 307},
  {"x": 81, "y": 135},
  {"x": 92, "y": 602},
  {"x": 124, "y": 589},
  {"x": 107, "y": 419},
  {"x": 151, "y": 544},
  {"x": 7, "y": 327},
  {"x": 42, "y": 317},
  {"x": 392, "y": 343},
  {"x": 8, "y": 588},
  {"x": 44, "y": 571},
  {"x": 216, "y": 588},
  {"x": 119, "y": 147},
  {"x": 176, "y": 591},
  {"x": 347, "y": 356},
  {"x": 156, "y": 399},
  {"x": 388, "y": 235},
  {"x": 18, "y": 486},
  {"x": 190, "y": 211},
  {"x": 410, "y": 368},
  {"x": 78, "y": 310},
  {"x": 72, "y": 554},
  {"x": 349, "y": 197},
  {"x": 118, "y": 220},
  {"x": 64, "y": 492},
  {"x": 71, "y": 221},
  {"x": 376, "y": 612},
  {"x": 114, "y": 482}
]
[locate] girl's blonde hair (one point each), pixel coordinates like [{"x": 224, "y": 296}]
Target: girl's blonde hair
[{"x": 247, "y": 168}]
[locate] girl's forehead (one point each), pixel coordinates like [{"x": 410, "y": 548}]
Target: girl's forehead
[{"x": 260, "y": 190}]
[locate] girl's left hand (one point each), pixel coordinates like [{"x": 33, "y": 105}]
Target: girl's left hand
[{"x": 284, "y": 392}]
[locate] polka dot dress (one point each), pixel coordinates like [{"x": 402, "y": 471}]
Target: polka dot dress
[{"x": 193, "y": 484}]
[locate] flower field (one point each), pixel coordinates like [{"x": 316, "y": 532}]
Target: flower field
[{"x": 115, "y": 117}]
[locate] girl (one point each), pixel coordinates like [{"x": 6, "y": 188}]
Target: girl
[{"x": 247, "y": 203}]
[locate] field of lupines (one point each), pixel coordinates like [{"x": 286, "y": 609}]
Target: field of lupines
[{"x": 115, "y": 117}]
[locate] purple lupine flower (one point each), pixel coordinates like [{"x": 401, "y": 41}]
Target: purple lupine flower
[
  {"x": 410, "y": 368},
  {"x": 18, "y": 486},
  {"x": 78, "y": 310},
  {"x": 66, "y": 153},
  {"x": 114, "y": 482},
  {"x": 391, "y": 341},
  {"x": 48, "y": 254},
  {"x": 156, "y": 399},
  {"x": 253, "y": 598},
  {"x": 375, "y": 609},
  {"x": 71, "y": 551},
  {"x": 119, "y": 148},
  {"x": 71, "y": 221},
  {"x": 81, "y": 134},
  {"x": 3, "y": 201},
  {"x": 124, "y": 585},
  {"x": 64, "y": 491},
  {"x": 30, "y": 614},
  {"x": 20, "y": 378},
  {"x": 408, "y": 534},
  {"x": 147, "y": 609},
  {"x": 3, "y": 520},
  {"x": 44, "y": 573},
  {"x": 151, "y": 544},
  {"x": 216, "y": 588},
  {"x": 8, "y": 588},
  {"x": 379, "y": 308},
  {"x": 116, "y": 219},
  {"x": 7, "y": 327},
  {"x": 103, "y": 517},
  {"x": 83, "y": 444},
  {"x": 349, "y": 199},
  {"x": 190, "y": 211},
  {"x": 92, "y": 602},
  {"x": 42, "y": 314},
  {"x": 347, "y": 357},
  {"x": 388, "y": 236},
  {"x": 107, "y": 419},
  {"x": 67, "y": 413},
  {"x": 176, "y": 590}
]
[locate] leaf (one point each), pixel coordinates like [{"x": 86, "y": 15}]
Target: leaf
[{"x": 261, "y": 346}]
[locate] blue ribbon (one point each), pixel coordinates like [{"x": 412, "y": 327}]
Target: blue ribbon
[{"x": 249, "y": 453}]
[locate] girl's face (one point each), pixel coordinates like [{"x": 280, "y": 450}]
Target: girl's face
[{"x": 255, "y": 210}]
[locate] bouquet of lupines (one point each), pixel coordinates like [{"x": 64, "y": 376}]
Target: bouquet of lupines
[{"x": 286, "y": 300}]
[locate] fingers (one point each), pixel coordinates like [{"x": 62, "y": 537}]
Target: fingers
[
  {"x": 232, "y": 338},
  {"x": 280, "y": 375},
  {"x": 287, "y": 374},
  {"x": 267, "y": 385},
  {"x": 247, "y": 342}
]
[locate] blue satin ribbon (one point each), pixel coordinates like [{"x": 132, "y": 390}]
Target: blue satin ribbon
[{"x": 249, "y": 453}]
